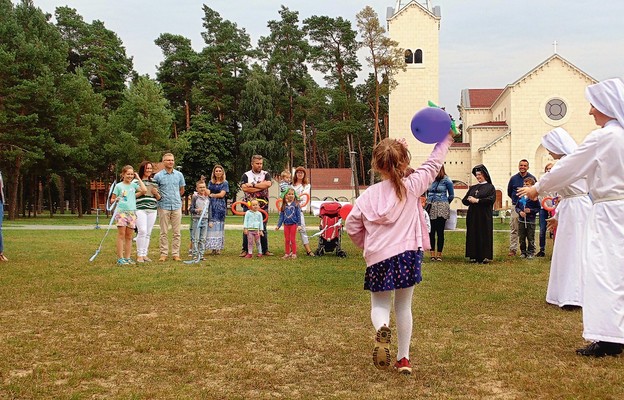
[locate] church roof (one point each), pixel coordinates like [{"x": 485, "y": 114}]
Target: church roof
[
  {"x": 485, "y": 98},
  {"x": 492, "y": 124},
  {"x": 402, "y": 5},
  {"x": 480, "y": 98},
  {"x": 549, "y": 59}
]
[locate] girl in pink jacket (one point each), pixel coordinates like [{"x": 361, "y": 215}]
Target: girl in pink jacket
[{"x": 388, "y": 222}]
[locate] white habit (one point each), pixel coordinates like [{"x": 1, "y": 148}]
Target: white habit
[
  {"x": 564, "y": 283},
  {"x": 600, "y": 158}
]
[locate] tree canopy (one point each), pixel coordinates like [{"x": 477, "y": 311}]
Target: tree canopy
[{"x": 72, "y": 108}]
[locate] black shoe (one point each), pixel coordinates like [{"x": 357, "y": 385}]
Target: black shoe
[
  {"x": 570, "y": 307},
  {"x": 600, "y": 349},
  {"x": 540, "y": 254}
]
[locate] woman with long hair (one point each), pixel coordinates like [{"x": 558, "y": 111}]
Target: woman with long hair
[
  {"x": 302, "y": 186},
  {"x": 219, "y": 189},
  {"x": 146, "y": 211},
  {"x": 439, "y": 197}
]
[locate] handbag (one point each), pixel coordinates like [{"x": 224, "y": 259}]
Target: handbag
[{"x": 428, "y": 205}]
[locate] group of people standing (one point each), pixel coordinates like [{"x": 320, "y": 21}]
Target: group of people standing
[
  {"x": 143, "y": 196},
  {"x": 255, "y": 185}
]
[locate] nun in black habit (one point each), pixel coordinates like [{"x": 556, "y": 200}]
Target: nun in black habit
[{"x": 479, "y": 224}]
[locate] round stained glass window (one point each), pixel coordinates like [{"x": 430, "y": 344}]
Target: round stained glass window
[{"x": 556, "y": 109}]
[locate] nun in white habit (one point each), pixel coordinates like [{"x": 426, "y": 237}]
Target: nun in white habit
[
  {"x": 600, "y": 159},
  {"x": 564, "y": 283}
]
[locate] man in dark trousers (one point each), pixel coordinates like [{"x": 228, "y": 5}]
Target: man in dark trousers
[
  {"x": 515, "y": 182},
  {"x": 256, "y": 183}
]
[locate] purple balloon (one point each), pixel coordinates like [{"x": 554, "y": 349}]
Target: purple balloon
[{"x": 431, "y": 125}]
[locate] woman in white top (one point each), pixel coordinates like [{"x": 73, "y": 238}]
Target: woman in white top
[{"x": 301, "y": 185}]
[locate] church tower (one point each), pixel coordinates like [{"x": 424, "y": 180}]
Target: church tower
[{"x": 415, "y": 26}]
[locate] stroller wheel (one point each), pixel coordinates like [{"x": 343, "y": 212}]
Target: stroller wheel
[
  {"x": 320, "y": 252},
  {"x": 341, "y": 254}
]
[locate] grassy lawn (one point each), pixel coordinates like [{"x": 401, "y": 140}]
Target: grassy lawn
[{"x": 231, "y": 328}]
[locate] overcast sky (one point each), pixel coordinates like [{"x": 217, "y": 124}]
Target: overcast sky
[{"x": 483, "y": 43}]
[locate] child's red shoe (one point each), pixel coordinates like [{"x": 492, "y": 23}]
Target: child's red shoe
[{"x": 403, "y": 366}]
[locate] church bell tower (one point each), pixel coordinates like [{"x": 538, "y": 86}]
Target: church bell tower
[{"x": 415, "y": 26}]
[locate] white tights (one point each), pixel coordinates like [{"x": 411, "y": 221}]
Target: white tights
[{"x": 381, "y": 303}]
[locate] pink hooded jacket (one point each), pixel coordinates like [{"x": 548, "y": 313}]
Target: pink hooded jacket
[{"x": 384, "y": 226}]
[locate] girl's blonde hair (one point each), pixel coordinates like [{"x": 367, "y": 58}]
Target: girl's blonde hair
[
  {"x": 124, "y": 169},
  {"x": 391, "y": 158}
]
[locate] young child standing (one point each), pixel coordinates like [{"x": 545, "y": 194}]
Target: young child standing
[
  {"x": 124, "y": 194},
  {"x": 290, "y": 217},
  {"x": 388, "y": 222},
  {"x": 527, "y": 210},
  {"x": 284, "y": 182},
  {"x": 252, "y": 227},
  {"x": 199, "y": 202}
]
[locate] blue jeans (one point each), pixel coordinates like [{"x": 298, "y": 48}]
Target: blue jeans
[
  {"x": 200, "y": 232},
  {"x": 543, "y": 215}
]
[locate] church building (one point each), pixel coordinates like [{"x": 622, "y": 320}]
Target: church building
[{"x": 501, "y": 126}]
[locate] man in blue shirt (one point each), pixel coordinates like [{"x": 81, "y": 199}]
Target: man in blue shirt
[
  {"x": 515, "y": 182},
  {"x": 171, "y": 185}
]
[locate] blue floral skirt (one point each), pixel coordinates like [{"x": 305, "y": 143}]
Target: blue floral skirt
[{"x": 397, "y": 272}]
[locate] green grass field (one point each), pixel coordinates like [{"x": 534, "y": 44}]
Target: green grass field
[{"x": 232, "y": 328}]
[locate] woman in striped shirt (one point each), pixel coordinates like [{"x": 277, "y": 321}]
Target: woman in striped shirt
[{"x": 146, "y": 211}]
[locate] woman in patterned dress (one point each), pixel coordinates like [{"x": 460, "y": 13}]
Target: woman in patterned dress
[{"x": 219, "y": 189}]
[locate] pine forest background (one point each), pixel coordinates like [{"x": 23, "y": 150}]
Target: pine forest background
[{"x": 73, "y": 110}]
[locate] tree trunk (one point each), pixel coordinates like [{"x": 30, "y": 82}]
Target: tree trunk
[
  {"x": 61, "y": 187},
  {"x": 72, "y": 196},
  {"x": 377, "y": 135},
  {"x": 187, "y": 112},
  {"x": 356, "y": 184},
  {"x": 39, "y": 196},
  {"x": 50, "y": 206},
  {"x": 362, "y": 169},
  {"x": 80, "y": 201},
  {"x": 13, "y": 189},
  {"x": 305, "y": 144}
]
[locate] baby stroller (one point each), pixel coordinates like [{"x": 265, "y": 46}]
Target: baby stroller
[{"x": 330, "y": 230}]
